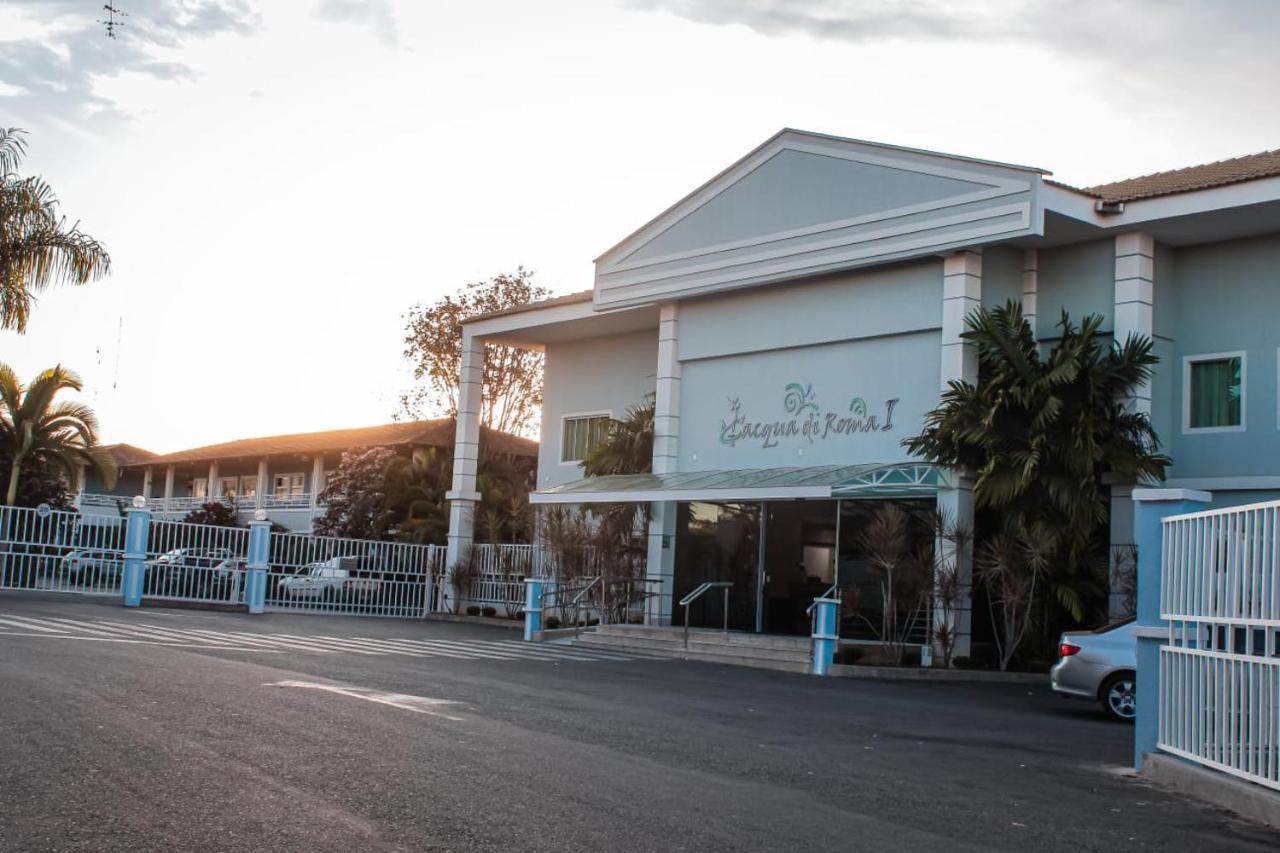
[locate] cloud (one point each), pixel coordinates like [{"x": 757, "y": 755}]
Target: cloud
[
  {"x": 377, "y": 15},
  {"x": 1222, "y": 49},
  {"x": 52, "y": 74}
]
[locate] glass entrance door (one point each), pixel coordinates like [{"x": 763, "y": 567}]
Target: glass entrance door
[
  {"x": 799, "y": 562},
  {"x": 718, "y": 542}
]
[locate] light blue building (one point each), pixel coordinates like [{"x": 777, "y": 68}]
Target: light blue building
[{"x": 797, "y": 315}]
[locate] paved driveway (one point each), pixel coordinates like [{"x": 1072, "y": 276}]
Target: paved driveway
[{"x": 167, "y": 730}]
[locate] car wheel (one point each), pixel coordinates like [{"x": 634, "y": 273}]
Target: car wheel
[{"x": 1118, "y": 696}]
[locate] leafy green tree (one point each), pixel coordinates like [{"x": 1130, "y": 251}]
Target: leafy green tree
[
  {"x": 214, "y": 513},
  {"x": 37, "y": 246},
  {"x": 36, "y": 428},
  {"x": 40, "y": 483},
  {"x": 355, "y": 496},
  {"x": 627, "y": 447},
  {"x": 512, "y": 384},
  {"x": 1043, "y": 434}
]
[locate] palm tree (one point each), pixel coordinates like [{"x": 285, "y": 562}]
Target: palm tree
[
  {"x": 1041, "y": 433},
  {"x": 35, "y": 428},
  {"x": 37, "y": 247},
  {"x": 627, "y": 448}
]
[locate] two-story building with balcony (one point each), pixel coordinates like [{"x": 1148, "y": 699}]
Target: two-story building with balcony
[
  {"x": 798, "y": 315},
  {"x": 283, "y": 475}
]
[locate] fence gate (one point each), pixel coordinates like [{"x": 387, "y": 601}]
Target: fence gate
[
  {"x": 60, "y": 551},
  {"x": 1220, "y": 670}
]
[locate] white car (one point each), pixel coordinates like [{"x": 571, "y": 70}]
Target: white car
[
  {"x": 85, "y": 565},
  {"x": 1100, "y": 666},
  {"x": 321, "y": 580}
]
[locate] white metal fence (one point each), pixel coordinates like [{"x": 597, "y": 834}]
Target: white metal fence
[
  {"x": 60, "y": 551},
  {"x": 195, "y": 562},
  {"x": 320, "y": 574},
  {"x": 1220, "y": 671}
]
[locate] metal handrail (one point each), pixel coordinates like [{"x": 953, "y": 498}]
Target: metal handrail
[
  {"x": 698, "y": 593},
  {"x": 835, "y": 587},
  {"x": 598, "y": 580}
]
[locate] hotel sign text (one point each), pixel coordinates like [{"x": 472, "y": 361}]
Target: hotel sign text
[{"x": 804, "y": 419}]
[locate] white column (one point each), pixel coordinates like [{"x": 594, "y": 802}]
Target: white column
[
  {"x": 1030, "y": 288},
  {"x": 1134, "y": 296},
  {"x": 666, "y": 446},
  {"x": 211, "y": 491},
  {"x": 146, "y": 482},
  {"x": 317, "y": 479},
  {"x": 961, "y": 294},
  {"x": 1133, "y": 314},
  {"x": 168, "y": 486},
  {"x": 259, "y": 500},
  {"x": 463, "y": 497}
]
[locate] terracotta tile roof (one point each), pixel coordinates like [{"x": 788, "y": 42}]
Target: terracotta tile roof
[
  {"x": 126, "y": 454},
  {"x": 1233, "y": 171},
  {"x": 434, "y": 433},
  {"x": 567, "y": 299}
]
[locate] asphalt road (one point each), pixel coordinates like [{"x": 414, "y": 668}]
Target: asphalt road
[{"x": 437, "y": 736}]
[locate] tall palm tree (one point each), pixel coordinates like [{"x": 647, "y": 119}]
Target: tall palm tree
[
  {"x": 37, "y": 246},
  {"x": 1041, "y": 432},
  {"x": 36, "y": 428}
]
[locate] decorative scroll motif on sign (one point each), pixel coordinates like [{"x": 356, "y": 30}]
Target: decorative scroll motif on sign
[{"x": 807, "y": 420}]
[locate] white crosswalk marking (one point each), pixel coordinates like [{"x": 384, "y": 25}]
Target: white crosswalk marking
[{"x": 169, "y": 634}]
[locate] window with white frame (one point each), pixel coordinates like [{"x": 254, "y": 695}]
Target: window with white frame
[
  {"x": 289, "y": 485},
  {"x": 227, "y": 487},
  {"x": 249, "y": 486},
  {"x": 580, "y": 433},
  {"x": 1214, "y": 392},
  {"x": 200, "y": 487}
]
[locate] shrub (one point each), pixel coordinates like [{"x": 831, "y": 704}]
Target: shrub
[
  {"x": 553, "y": 622},
  {"x": 215, "y": 513},
  {"x": 488, "y": 611},
  {"x": 473, "y": 610}
]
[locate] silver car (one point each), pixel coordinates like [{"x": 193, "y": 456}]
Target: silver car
[{"x": 1099, "y": 665}]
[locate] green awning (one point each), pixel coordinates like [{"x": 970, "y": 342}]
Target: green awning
[{"x": 876, "y": 480}]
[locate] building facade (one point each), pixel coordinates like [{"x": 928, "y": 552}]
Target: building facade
[
  {"x": 796, "y": 317},
  {"x": 283, "y": 475}
]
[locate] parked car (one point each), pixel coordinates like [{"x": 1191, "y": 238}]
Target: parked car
[
  {"x": 90, "y": 566},
  {"x": 193, "y": 572},
  {"x": 324, "y": 579},
  {"x": 1099, "y": 665}
]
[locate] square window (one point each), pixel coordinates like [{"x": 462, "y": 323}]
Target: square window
[
  {"x": 249, "y": 486},
  {"x": 581, "y": 433},
  {"x": 200, "y": 487},
  {"x": 1215, "y": 395}
]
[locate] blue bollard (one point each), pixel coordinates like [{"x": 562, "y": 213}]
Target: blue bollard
[
  {"x": 255, "y": 587},
  {"x": 825, "y": 634},
  {"x": 137, "y": 524},
  {"x": 532, "y": 607}
]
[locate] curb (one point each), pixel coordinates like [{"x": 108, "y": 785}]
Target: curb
[
  {"x": 943, "y": 676},
  {"x": 490, "y": 621},
  {"x": 1219, "y": 789}
]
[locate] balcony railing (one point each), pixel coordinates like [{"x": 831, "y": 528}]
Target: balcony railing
[{"x": 186, "y": 503}]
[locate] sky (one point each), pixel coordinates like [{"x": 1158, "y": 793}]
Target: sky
[{"x": 279, "y": 181}]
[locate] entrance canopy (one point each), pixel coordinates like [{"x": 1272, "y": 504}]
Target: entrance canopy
[{"x": 876, "y": 480}]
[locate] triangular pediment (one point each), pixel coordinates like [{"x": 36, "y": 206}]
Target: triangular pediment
[{"x": 821, "y": 201}]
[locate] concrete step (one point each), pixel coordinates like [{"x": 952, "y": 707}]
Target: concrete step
[
  {"x": 705, "y": 653},
  {"x": 675, "y": 647},
  {"x": 733, "y": 638}
]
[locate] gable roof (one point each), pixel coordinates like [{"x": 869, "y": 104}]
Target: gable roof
[
  {"x": 126, "y": 454},
  {"x": 432, "y": 433},
  {"x": 1250, "y": 167}
]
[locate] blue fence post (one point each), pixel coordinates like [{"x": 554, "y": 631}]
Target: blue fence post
[
  {"x": 532, "y": 606},
  {"x": 137, "y": 525},
  {"x": 255, "y": 588},
  {"x": 825, "y": 634},
  {"x": 1151, "y": 507}
]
